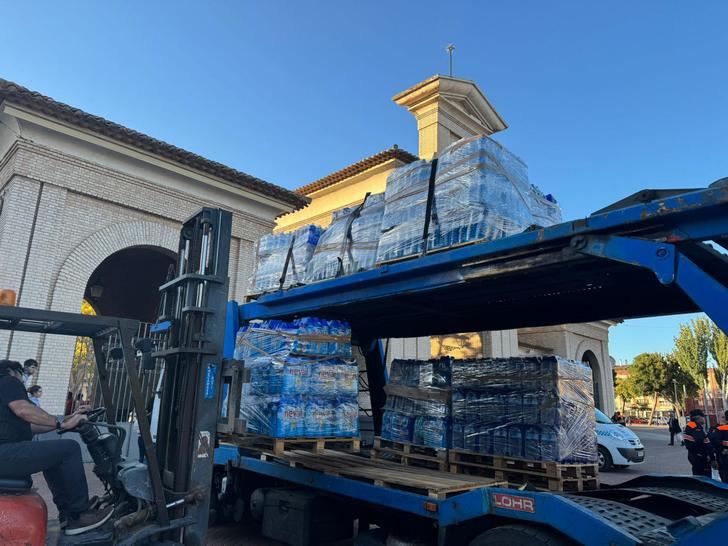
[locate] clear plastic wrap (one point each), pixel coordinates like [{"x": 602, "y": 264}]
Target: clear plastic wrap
[
  {"x": 538, "y": 408},
  {"x": 273, "y": 251},
  {"x": 417, "y": 409},
  {"x": 405, "y": 208},
  {"x": 482, "y": 193},
  {"x": 433, "y": 373},
  {"x": 303, "y": 336},
  {"x": 349, "y": 244},
  {"x": 302, "y": 379},
  {"x": 299, "y": 416}
]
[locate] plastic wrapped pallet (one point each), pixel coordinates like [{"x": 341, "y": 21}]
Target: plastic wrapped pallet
[
  {"x": 418, "y": 403},
  {"x": 273, "y": 251},
  {"x": 539, "y": 408},
  {"x": 304, "y": 336},
  {"x": 405, "y": 209},
  {"x": 302, "y": 379},
  {"x": 349, "y": 244},
  {"x": 482, "y": 192}
]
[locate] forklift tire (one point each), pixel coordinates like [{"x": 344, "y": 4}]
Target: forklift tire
[
  {"x": 605, "y": 460},
  {"x": 518, "y": 535}
]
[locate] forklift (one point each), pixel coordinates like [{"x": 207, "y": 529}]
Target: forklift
[{"x": 165, "y": 500}]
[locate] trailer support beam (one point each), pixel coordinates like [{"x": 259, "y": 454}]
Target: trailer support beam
[{"x": 669, "y": 265}]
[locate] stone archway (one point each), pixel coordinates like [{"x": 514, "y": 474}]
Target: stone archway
[
  {"x": 591, "y": 359},
  {"x": 77, "y": 268},
  {"x": 70, "y": 286}
]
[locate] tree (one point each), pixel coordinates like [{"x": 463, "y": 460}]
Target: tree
[
  {"x": 691, "y": 349},
  {"x": 677, "y": 384},
  {"x": 83, "y": 365},
  {"x": 648, "y": 377},
  {"x": 719, "y": 351},
  {"x": 624, "y": 389}
]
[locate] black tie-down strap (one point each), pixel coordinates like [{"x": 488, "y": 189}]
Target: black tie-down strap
[
  {"x": 348, "y": 241},
  {"x": 430, "y": 209},
  {"x": 290, "y": 260}
]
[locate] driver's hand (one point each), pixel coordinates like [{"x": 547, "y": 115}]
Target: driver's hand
[
  {"x": 73, "y": 421},
  {"x": 81, "y": 410}
]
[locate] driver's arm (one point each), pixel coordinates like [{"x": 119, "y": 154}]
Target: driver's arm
[
  {"x": 40, "y": 429},
  {"x": 40, "y": 420}
]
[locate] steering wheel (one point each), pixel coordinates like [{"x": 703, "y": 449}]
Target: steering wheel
[
  {"x": 94, "y": 414},
  {"x": 91, "y": 417}
]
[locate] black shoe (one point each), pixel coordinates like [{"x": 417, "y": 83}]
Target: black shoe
[
  {"x": 86, "y": 521},
  {"x": 93, "y": 504}
]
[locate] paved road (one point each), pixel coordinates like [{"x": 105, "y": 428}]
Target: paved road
[{"x": 660, "y": 458}]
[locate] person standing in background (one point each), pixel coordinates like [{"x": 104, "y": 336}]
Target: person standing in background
[
  {"x": 34, "y": 394},
  {"x": 700, "y": 449},
  {"x": 78, "y": 402},
  {"x": 30, "y": 368},
  {"x": 719, "y": 438},
  {"x": 69, "y": 404},
  {"x": 674, "y": 426}
]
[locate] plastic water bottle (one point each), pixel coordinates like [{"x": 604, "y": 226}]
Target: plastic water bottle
[
  {"x": 513, "y": 402},
  {"x": 289, "y": 418},
  {"x": 549, "y": 444},
  {"x": 327, "y": 418},
  {"x": 323, "y": 379},
  {"x": 500, "y": 441},
  {"x": 533, "y": 447},
  {"x": 312, "y": 424},
  {"x": 531, "y": 415},
  {"x": 347, "y": 379},
  {"x": 472, "y": 437},
  {"x": 457, "y": 436},
  {"x": 296, "y": 377},
  {"x": 548, "y": 404},
  {"x": 347, "y": 418},
  {"x": 515, "y": 441},
  {"x": 472, "y": 407}
]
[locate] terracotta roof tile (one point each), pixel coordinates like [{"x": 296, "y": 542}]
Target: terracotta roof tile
[
  {"x": 359, "y": 167},
  {"x": 21, "y": 96}
]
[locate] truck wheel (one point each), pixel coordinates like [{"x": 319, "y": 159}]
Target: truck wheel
[
  {"x": 518, "y": 535},
  {"x": 605, "y": 460}
]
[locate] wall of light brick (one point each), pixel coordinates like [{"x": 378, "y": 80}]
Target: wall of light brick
[{"x": 64, "y": 214}]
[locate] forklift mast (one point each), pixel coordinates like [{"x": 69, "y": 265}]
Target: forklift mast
[{"x": 192, "y": 309}]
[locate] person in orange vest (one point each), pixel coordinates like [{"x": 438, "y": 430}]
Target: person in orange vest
[
  {"x": 700, "y": 449},
  {"x": 719, "y": 439}
]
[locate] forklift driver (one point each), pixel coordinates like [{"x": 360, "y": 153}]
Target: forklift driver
[{"x": 59, "y": 460}]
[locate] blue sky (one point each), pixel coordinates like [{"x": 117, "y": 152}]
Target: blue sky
[{"x": 602, "y": 98}]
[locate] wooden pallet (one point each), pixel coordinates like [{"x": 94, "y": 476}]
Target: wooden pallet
[
  {"x": 548, "y": 475},
  {"x": 434, "y": 484},
  {"x": 280, "y": 445},
  {"x": 410, "y": 454}
]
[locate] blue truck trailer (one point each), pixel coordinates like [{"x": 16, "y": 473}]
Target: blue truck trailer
[{"x": 657, "y": 252}]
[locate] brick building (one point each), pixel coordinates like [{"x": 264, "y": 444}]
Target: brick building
[{"x": 90, "y": 209}]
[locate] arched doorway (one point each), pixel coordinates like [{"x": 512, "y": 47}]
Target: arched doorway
[
  {"x": 591, "y": 359},
  {"x": 126, "y": 284}
]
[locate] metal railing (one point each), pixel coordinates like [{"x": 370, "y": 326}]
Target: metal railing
[{"x": 84, "y": 377}]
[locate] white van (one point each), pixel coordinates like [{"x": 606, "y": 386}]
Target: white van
[{"x": 618, "y": 446}]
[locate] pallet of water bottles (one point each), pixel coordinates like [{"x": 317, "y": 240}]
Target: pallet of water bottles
[{"x": 547, "y": 475}]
